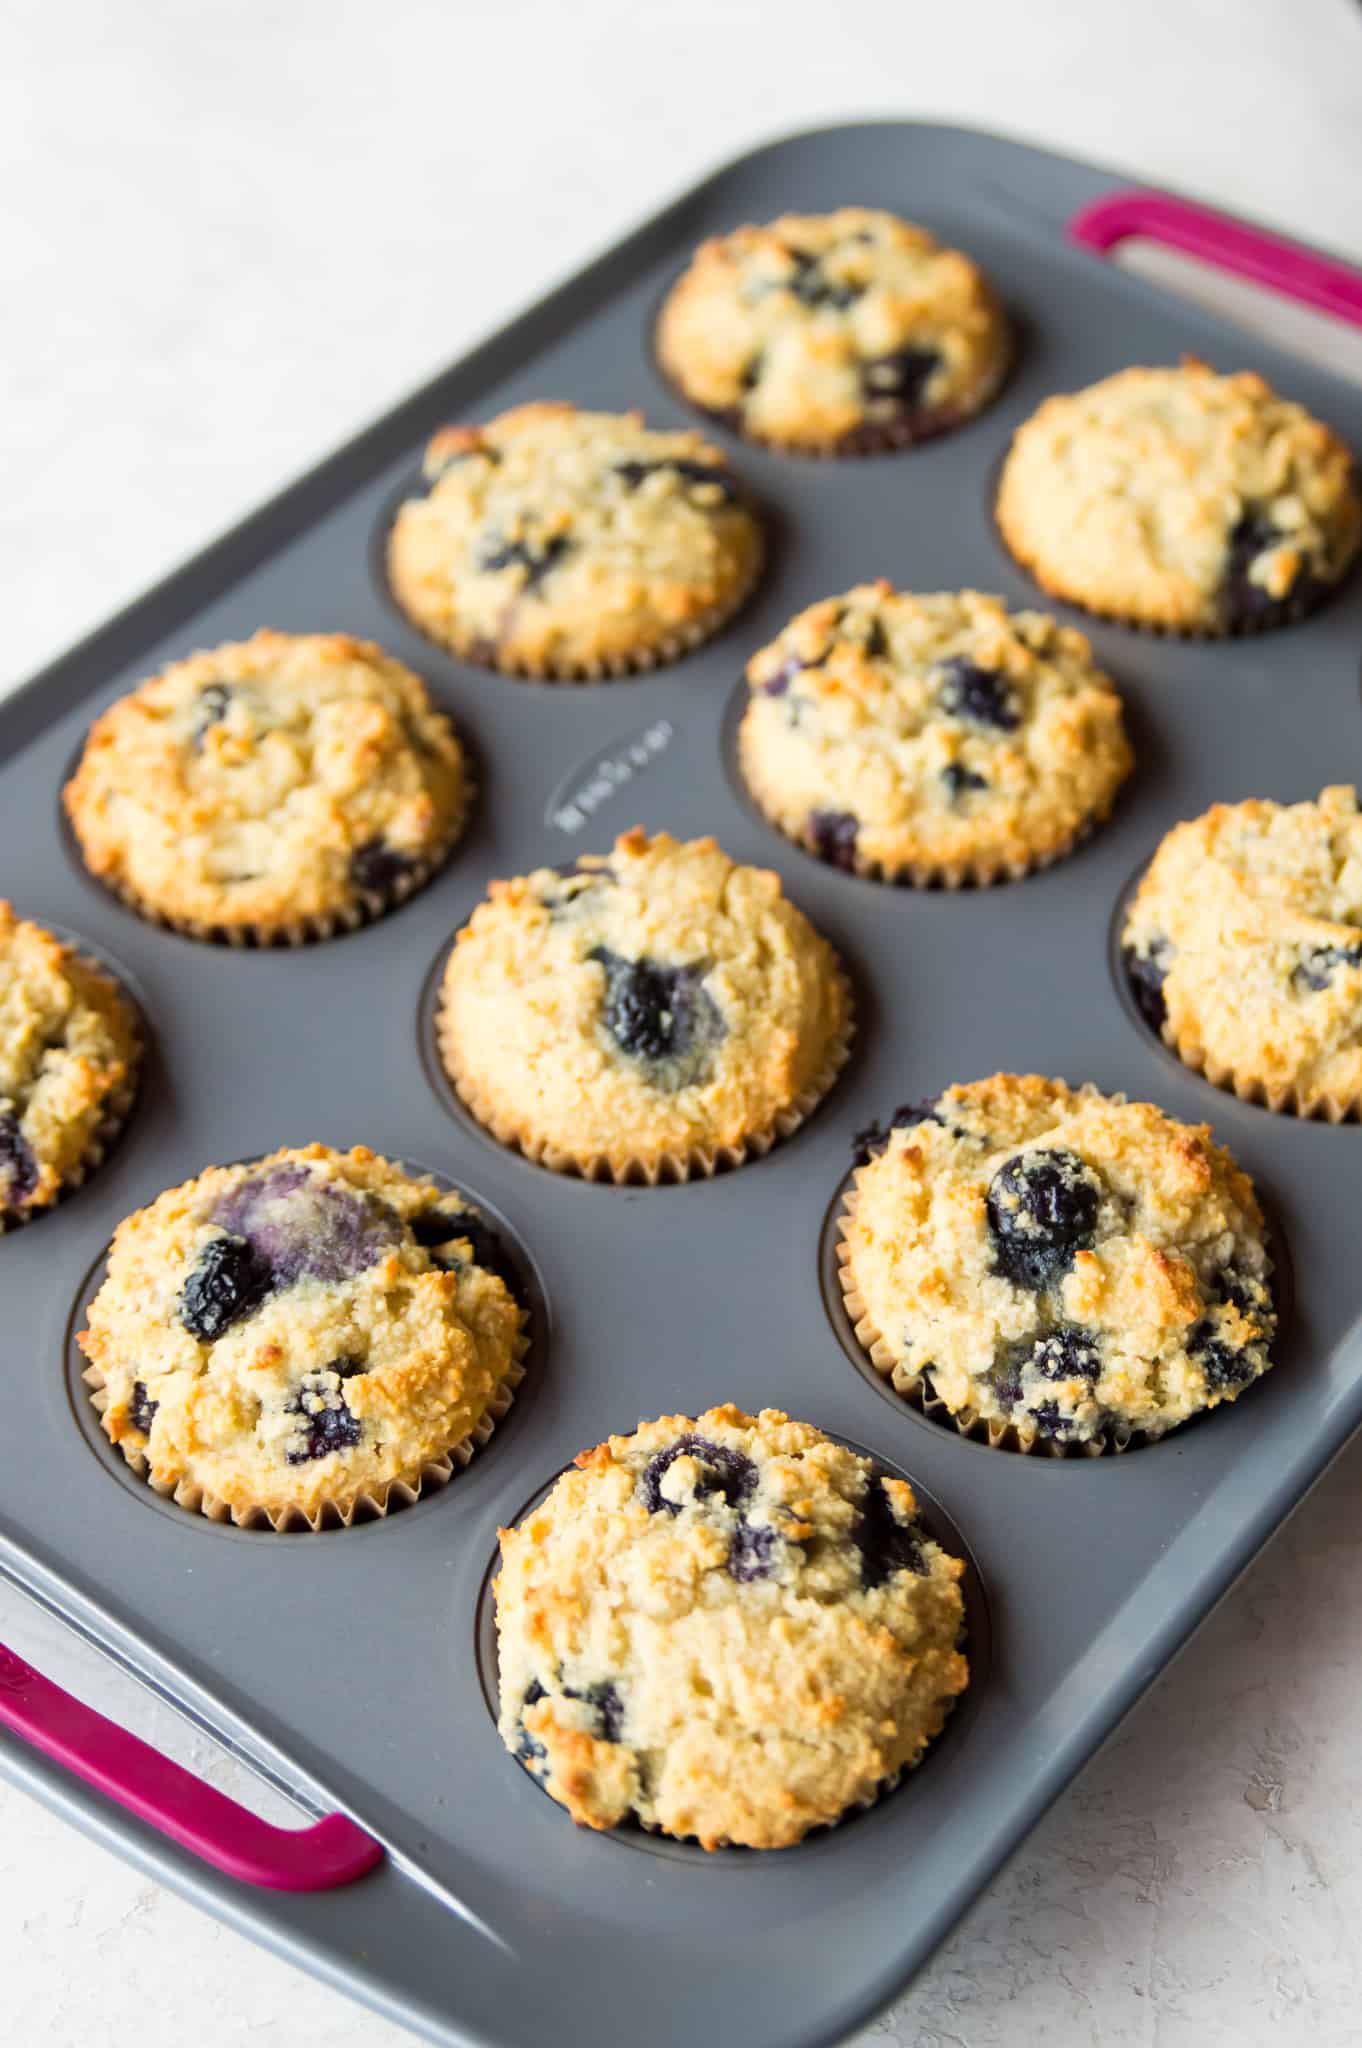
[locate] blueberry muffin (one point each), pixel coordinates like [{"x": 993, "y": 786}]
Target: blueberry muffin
[
  {"x": 648, "y": 1015},
  {"x": 277, "y": 789},
  {"x": 931, "y": 739},
  {"x": 1244, "y": 949},
  {"x": 727, "y": 1628},
  {"x": 69, "y": 1053},
  {"x": 302, "y": 1337},
  {"x": 569, "y": 544},
  {"x": 834, "y": 334},
  {"x": 1182, "y": 500},
  {"x": 1057, "y": 1266}
]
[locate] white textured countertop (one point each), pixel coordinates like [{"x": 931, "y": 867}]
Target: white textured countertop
[{"x": 236, "y": 231}]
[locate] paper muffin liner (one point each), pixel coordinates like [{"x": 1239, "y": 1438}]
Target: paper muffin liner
[
  {"x": 484, "y": 653},
  {"x": 370, "y": 1506},
  {"x": 305, "y": 931},
  {"x": 918, "y": 1390},
  {"x": 115, "y": 1111},
  {"x": 982, "y": 873},
  {"x": 1284, "y": 1099},
  {"x": 697, "y": 1163}
]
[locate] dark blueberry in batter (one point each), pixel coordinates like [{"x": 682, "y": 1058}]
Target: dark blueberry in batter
[
  {"x": 300, "y": 1227},
  {"x": 868, "y": 1141},
  {"x": 608, "y": 1705},
  {"x": 903, "y": 376},
  {"x": 633, "y": 474},
  {"x": 1246, "y": 603},
  {"x": 752, "y": 1553},
  {"x": 886, "y": 1544},
  {"x": 876, "y": 641},
  {"x": 18, "y": 1166},
  {"x": 1315, "y": 970},
  {"x": 1245, "y": 1291},
  {"x": 535, "y": 558},
  {"x": 1042, "y": 1208},
  {"x": 441, "y": 1226},
  {"x": 141, "y": 1408},
  {"x": 793, "y": 665},
  {"x": 1223, "y": 1366},
  {"x": 653, "y": 1012},
  {"x": 751, "y": 375},
  {"x": 958, "y": 779},
  {"x": 376, "y": 868},
  {"x": 527, "y": 1749},
  {"x": 1050, "y": 1421},
  {"x": 980, "y": 694},
  {"x": 812, "y": 288},
  {"x": 722, "y": 1471},
  {"x": 1067, "y": 1353},
  {"x": 327, "y": 1428},
  {"x": 834, "y": 837},
  {"x": 228, "y": 1282},
  {"x": 1147, "y": 973},
  {"x": 211, "y": 709}
]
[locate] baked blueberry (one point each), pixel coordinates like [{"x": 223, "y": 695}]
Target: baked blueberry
[
  {"x": 752, "y": 1552},
  {"x": 1067, "y": 1353},
  {"x": 981, "y": 695},
  {"x": 328, "y": 1424},
  {"x": 833, "y": 835},
  {"x": 886, "y": 1544},
  {"x": 376, "y": 868},
  {"x": 902, "y": 376},
  {"x": 713, "y": 474},
  {"x": 527, "y": 1749},
  {"x": 210, "y": 709},
  {"x": 18, "y": 1167},
  {"x": 904, "y": 1118},
  {"x": 536, "y": 558},
  {"x": 301, "y": 1226},
  {"x": 656, "y": 1013},
  {"x": 1042, "y": 1208},
  {"x": 604, "y": 1699},
  {"x": 813, "y": 287},
  {"x": 1243, "y": 601},
  {"x": 141, "y": 1408},
  {"x": 959, "y": 779},
  {"x": 1223, "y": 1364},
  {"x": 228, "y": 1282},
  {"x": 722, "y": 1471},
  {"x": 1147, "y": 971},
  {"x": 1315, "y": 970}
]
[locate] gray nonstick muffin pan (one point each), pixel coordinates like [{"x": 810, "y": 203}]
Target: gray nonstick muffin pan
[{"x": 354, "y": 1666}]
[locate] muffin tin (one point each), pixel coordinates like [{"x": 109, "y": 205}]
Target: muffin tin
[{"x": 350, "y": 1666}]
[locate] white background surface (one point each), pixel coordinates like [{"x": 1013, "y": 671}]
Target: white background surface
[{"x": 231, "y": 234}]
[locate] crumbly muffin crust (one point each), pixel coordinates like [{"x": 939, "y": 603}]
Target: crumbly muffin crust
[
  {"x": 729, "y": 1628},
  {"x": 931, "y": 738},
  {"x": 659, "y": 1010},
  {"x": 1181, "y": 499},
  {"x": 277, "y": 787},
  {"x": 563, "y": 543},
  {"x": 1060, "y": 1264},
  {"x": 289, "y": 1338},
  {"x": 1244, "y": 949},
  {"x": 69, "y": 1050},
  {"x": 835, "y": 333}
]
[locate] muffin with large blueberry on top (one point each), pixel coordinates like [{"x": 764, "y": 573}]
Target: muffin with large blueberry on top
[
  {"x": 1244, "y": 949},
  {"x": 647, "y": 1015},
  {"x": 566, "y": 544},
  {"x": 931, "y": 739},
  {"x": 304, "y": 1337},
  {"x": 726, "y": 1628},
  {"x": 1182, "y": 500},
  {"x": 834, "y": 334},
  {"x": 69, "y": 1054},
  {"x": 270, "y": 791},
  {"x": 1059, "y": 1267}
]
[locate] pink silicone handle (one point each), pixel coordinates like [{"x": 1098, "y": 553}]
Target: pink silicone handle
[
  {"x": 1229, "y": 244},
  {"x": 128, "y": 1770}
]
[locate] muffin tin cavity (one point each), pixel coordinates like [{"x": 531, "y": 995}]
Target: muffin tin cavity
[
  {"x": 503, "y": 1251},
  {"x": 894, "y": 1805}
]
